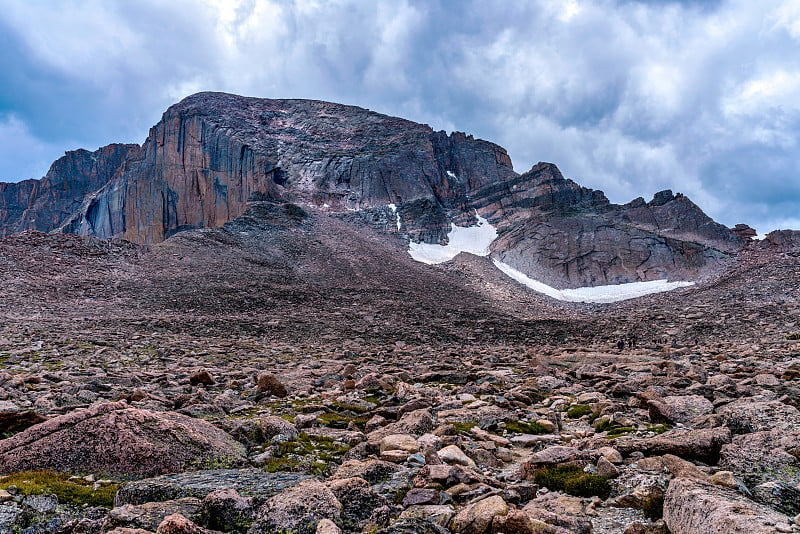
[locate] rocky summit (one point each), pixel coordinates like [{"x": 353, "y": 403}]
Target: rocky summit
[
  {"x": 228, "y": 329},
  {"x": 213, "y": 153}
]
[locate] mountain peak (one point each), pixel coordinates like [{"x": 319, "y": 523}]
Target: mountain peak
[{"x": 212, "y": 153}]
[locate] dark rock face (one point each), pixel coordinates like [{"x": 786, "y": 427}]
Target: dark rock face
[
  {"x": 570, "y": 236},
  {"x": 214, "y": 153},
  {"x": 44, "y": 204}
]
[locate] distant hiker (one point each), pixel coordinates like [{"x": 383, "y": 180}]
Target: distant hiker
[
  {"x": 632, "y": 341},
  {"x": 620, "y": 344}
]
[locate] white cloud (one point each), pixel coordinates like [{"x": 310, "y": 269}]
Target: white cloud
[{"x": 626, "y": 96}]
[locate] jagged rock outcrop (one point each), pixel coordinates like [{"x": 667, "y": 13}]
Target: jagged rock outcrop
[
  {"x": 569, "y": 236},
  {"x": 783, "y": 240},
  {"x": 44, "y": 204}
]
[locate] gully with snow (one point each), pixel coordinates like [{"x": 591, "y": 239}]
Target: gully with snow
[{"x": 477, "y": 240}]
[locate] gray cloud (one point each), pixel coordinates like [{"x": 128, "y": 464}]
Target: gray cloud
[{"x": 629, "y": 97}]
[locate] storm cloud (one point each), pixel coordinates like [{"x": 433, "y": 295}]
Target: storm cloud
[{"x": 629, "y": 97}]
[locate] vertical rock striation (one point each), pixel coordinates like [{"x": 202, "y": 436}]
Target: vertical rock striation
[{"x": 211, "y": 153}]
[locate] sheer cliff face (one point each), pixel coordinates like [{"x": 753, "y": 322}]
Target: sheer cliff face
[
  {"x": 44, "y": 204},
  {"x": 213, "y": 152}
]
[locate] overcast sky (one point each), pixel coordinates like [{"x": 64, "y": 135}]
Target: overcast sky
[{"x": 630, "y": 97}]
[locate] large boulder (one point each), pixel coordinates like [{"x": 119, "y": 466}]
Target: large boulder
[
  {"x": 679, "y": 408},
  {"x": 358, "y": 499},
  {"x": 747, "y": 415},
  {"x": 118, "y": 440},
  {"x": 298, "y": 509},
  {"x": 149, "y": 516},
  {"x": 695, "y": 507},
  {"x": 702, "y": 444},
  {"x": 764, "y": 456},
  {"x": 477, "y": 518}
]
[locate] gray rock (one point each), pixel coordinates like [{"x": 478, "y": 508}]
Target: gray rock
[
  {"x": 42, "y": 504},
  {"x": 10, "y": 514},
  {"x": 297, "y": 509},
  {"x": 779, "y": 496},
  {"x": 149, "y": 516},
  {"x": 228, "y": 511},
  {"x": 747, "y": 415},
  {"x": 679, "y": 409},
  {"x": 696, "y": 507},
  {"x": 412, "y": 525},
  {"x": 763, "y": 457},
  {"x": 254, "y": 483}
]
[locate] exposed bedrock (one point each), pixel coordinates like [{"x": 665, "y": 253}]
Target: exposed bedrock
[
  {"x": 44, "y": 204},
  {"x": 213, "y": 153}
]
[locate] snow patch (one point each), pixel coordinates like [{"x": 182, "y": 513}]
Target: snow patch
[
  {"x": 599, "y": 294},
  {"x": 451, "y": 175},
  {"x": 473, "y": 239},
  {"x": 393, "y": 207}
]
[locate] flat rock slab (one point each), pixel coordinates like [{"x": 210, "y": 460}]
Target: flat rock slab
[
  {"x": 119, "y": 440},
  {"x": 248, "y": 482},
  {"x": 695, "y": 507}
]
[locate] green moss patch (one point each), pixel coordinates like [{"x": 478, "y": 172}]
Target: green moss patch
[
  {"x": 620, "y": 431},
  {"x": 342, "y": 420},
  {"x": 313, "y": 454},
  {"x": 653, "y": 506},
  {"x": 573, "y": 480},
  {"x": 68, "y": 491},
  {"x": 464, "y": 426},
  {"x": 525, "y": 427},
  {"x": 578, "y": 410},
  {"x": 352, "y": 407},
  {"x": 615, "y": 430}
]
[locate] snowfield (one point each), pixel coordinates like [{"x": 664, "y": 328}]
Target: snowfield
[
  {"x": 472, "y": 239},
  {"x": 598, "y": 294},
  {"x": 476, "y": 240}
]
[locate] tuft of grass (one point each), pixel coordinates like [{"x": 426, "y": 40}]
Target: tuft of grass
[
  {"x": 355, "y": 408},
  {"x": 653, "y": 506},
  {"x": 793, "y": 337},
  {"x": 75, "y": 491},
  {"x": 464, "y": 426},
  {"x": 658, "y": 429},
  {"x": 341, "y": 421},
  {"x": 603, "y": 424},
  {"x": 573, "y": 480},
  {"x": 280, "y": 464},
  {"x": 615, "y": 430},
  {"x": 578, "y": 411},
  {"x": 525, "y": 427},
  {"x": 620, "y": 431},
  {"x": 315, "y": 454}
]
